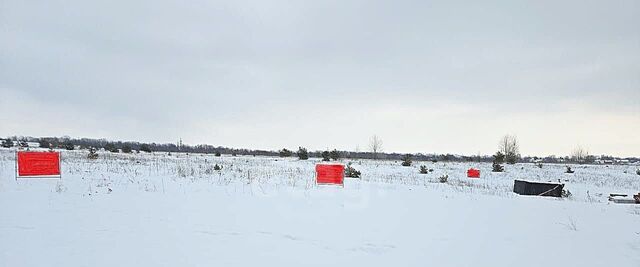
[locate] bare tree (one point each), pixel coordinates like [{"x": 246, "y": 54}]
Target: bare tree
[
  {"x": 375, "y": 145},
  {"x": 579, "y": 154},
  {"x": 509, "y": 147}
]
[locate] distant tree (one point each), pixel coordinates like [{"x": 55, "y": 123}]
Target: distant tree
[
  {"x": 498, "y": 159},
  {"x": 111, "y": 147},
  {"x": 375, "y": 145},
  {"x": 145, "y": 148},
  {"x": 285, "y": 153},
  {"x": 303, "y": 154},
  {"x": 218, "y": 154},
  {"x": 334, "y": 154},
  {"x": 126, "y": 149},
  {"x": 579, "y": 154},
  {"x": 509, "y": 147},
  {"x": 406, "y": 160},
  {"x": 326, "y": 156},
  {"x": 42, "y": 143},
  {"x": 68, "y": 145},
  {"x": 7, "y": 142}
]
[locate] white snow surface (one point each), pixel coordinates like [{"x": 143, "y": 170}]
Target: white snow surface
[{"x": 160, "y": 210}]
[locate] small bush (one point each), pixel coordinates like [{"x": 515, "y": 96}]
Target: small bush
[
  {"x": 285, "y": 153},
  {"x": 7, "y": 143},
  {"x": 217, "y": 167},
  {"x": 569, "y": 170},
  {"x": 351, "y": 172},
  {"x": 539, "y": 165},
  {"x": 326, "y": 156},
  {"x": 218, "y": 154},
  {"x": 638, "y": 171},
  {"x": 23, "y": 143},
  {"x": 93, "y": 154},
  {"x": 497, "y": 167},
  {"x": 423, "y": 169},
  {"x": 443, "y": 179},
  {"x": 406, "y": 160},
  {"x": 68, "y": 145},
  {"x": 303, "y": 154}
]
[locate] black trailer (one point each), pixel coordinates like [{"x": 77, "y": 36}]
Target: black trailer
[{"x": 537, "y": 188}]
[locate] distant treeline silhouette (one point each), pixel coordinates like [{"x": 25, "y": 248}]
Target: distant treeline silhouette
[{"x": 86, "y": 143}]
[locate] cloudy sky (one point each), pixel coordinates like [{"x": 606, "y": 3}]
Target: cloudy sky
[{"x": 430, "y": 77}]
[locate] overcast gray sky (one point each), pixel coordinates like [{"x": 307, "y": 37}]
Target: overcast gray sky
[{"x": 441, "y": 77}]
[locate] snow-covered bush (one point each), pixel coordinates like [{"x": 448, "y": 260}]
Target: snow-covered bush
[
  {"x": 92, "y": 153},
  {"x": 443, "y": 179},
  {"x": 569, "y": 170}
]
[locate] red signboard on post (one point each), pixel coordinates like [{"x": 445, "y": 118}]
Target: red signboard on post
[
  {"x": 473, "y": 173},
  {"x": 330, "y": 174},
  {"x": 38, "y": 164}
]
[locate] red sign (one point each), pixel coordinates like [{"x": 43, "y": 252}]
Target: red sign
[
  {"x": 330, "y": 174},
  {"x": 473, "y": 173},
  {"x": 38, "y": 164}
]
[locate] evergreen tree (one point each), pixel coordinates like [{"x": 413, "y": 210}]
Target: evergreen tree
[
  {"x": 285, "y": 153},
  {"x": 126, "y": 149},
  {"x": 302, "y": 153},
  {"x": 334, "y": 154},
  {"x": 406, "y": 160},
  {"x": 326, "y": 156}
]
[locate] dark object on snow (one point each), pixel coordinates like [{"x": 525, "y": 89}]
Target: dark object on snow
[
  {"x": 569, "y": 170},
  {"x": 637, "y": 198},
  {"x": 537, "y": 189}
]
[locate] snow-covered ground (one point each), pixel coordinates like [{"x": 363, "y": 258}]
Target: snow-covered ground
[{"x": 160, "y": 210}]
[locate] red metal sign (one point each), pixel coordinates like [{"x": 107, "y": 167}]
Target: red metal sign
[
  {"x": 330, "y": 174},
  {"x": 473, "y": 173},
  {"x": 38, "y": 164}
]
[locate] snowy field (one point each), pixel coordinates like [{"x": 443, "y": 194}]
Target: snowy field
[{"x": 160, "y": 210}]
